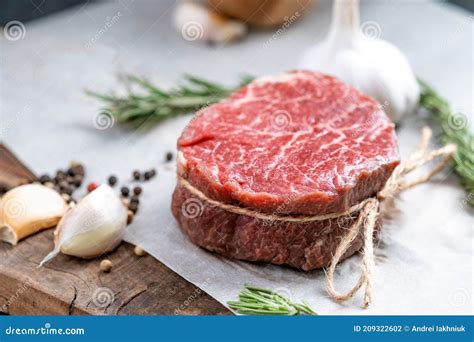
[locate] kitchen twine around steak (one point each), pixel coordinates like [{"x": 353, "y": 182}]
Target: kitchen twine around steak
[{"x": 369, "y": 210}]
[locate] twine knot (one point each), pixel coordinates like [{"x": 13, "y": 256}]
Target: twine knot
[{"x": 371, "y": 209}]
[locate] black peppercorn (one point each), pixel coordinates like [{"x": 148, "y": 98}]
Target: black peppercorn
[
  {"x": 137, "y": 190},
  {"x": 112, "y": 180},
  {"x": 78, "y": 169},
  {"x": 66, "y": 190},
  {"x": 44, "y": 179},
  {"x": 134, "y": 199},
  {"x": 125, "y": 191},
  {"x": 63, "y": 184},
  {"x": 136, "y": 175},
  {"x": 133, "y": 207},
  {"x": 150, "y": 174},
  {"x": 77, "y": 180},
  {"x": 60, "y": 176},
  {"x": 169, "y": 156},
  {"x": 71, "y": 172}
]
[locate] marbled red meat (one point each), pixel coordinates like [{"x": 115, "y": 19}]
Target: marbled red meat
[{"x": 298, "y": 143}]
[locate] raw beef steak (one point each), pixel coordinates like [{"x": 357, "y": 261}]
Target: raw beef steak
[{"x": 298, "y": 143}]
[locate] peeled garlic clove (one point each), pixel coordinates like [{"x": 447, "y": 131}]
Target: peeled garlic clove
[
  {"x": 94, "y": 226},
  {"x": 197, "y": 22},
  {"x": 28, "y": 209}
]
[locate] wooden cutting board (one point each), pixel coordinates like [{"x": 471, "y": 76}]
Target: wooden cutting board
[{"x": 67, "y": 285}]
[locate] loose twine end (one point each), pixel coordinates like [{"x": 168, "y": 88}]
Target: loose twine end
[{"x": 368, "y": 215}]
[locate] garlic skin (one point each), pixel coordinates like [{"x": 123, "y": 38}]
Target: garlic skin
[
  {"x": 195, "y": 21},
  {"x": 28, "y": 209},
  {"x": 374, "y": 66},
  {"x": 94, "y": 226}
]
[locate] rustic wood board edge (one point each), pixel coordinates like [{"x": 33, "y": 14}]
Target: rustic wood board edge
[{"x": 67, "y": 285}]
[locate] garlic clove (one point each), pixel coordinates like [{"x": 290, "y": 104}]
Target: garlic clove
[
  {"x": 374, "y": 66},
  {"x": 94, "y": 226},
  {"x": 197, "y": 22},
  {"x": 28, "y": 209}
]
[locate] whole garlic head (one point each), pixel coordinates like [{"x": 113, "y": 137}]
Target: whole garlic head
[
  {"x": 28, "y": 209},
  {"x": 94, "y": 226},
  {"x": 374, "y": 66}
]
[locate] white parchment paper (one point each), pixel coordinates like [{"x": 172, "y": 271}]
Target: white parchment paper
[{"x": 425, "y": 258}]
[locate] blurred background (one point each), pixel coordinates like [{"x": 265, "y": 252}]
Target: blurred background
[{"x": 25, "y": 10}]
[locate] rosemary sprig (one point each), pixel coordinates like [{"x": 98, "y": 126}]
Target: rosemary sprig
[
  {"x": 455, "y": 130},
  {"x": 258, "y": 301},
  {"x": 152, "y": 104}
]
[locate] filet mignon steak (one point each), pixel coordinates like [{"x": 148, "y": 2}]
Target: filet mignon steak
[{"x": 298, "y": 143}]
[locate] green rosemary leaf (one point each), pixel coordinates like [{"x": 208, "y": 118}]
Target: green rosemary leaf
[
  {"x": 258, "y": 301},
  {"x": 454, "y": 129},
  {"x": 154, "y": 104}
]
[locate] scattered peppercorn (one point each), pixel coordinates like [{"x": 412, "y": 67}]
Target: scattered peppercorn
[
  {"x": 169, "y": 156},
  {"x": 60, "y": 176},
  {"x": 125, "y": 191},
  {"x": 78, "y": 168},
  {"x": 137, "y": 190},
  {"x": 134, "y": 199},
  {"x": 133, "y": 207},
  {"x": 106, "y": 265},
  {"x": 112, "y": 180},
  {"x": 92, "y": 186},
  {"x": 77, "y": 180},
  {"x": 150, "y": 174},
  {"x": 139, "y": 251},
  {"x": 130, "y": 216},
  {"x": 44, "y": 178},
  {"x": 63, "y": 184},
  {"x": 71, "y": 172},
  {"x": 66, "y": 190},
  {"x": 136, "y": 175}
]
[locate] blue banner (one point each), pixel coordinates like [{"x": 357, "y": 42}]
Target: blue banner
[{"x": 237, "y": 328}]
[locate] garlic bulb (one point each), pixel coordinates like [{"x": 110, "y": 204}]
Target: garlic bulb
[
  {"x": 28, "y": 209},
  {"x": 197, "y": 22},
  {"x": 261, "y": 13},
  {"x": 376, "y": 67},
  {"x": 94, "y": 226}
]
